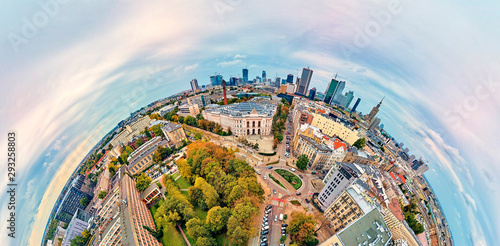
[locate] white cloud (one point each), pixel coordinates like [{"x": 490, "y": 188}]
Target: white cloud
[
  {"x": 229, "y": 63},
  {"x": 190, "y": 67},
  {"x": 238, "y": 57}
]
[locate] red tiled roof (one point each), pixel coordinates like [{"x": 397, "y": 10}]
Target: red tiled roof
[
  {"x": 402, "y": 178},
  {"x": 337, "y": 144},
  {"x": 392, "y": 175}
]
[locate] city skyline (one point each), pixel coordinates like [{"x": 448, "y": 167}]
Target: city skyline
[{"x": 64, "y": 105}]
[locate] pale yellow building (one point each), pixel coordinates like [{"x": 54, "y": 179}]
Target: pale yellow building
[
  {"x": 398, "y": 229},
  {"x": 333, "y": 128},
  {"x": 188, "y": 109},
  {"x": 130, "y": 131},
  {"x": 174, "y": 133},
  {"x": 142, "y": 157}
]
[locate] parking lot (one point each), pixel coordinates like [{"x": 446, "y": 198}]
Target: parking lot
[{"x": 271, "y": 229}]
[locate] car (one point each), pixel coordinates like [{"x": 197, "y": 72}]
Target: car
[
  {"x": 282, "y": 244},
  {"x": 307, "y": 200},
  {"x": 269, "y": 206},
  {"x": 265, "y": 232},
  {"x": 298, "y": 193},
  {"x": 274, "y": 191},
  {"x": 300, "y": 176},
  {"x": 263, "y": 244},
  {"x": 283, "y": 231},
  {"x": 292, "y": 169},
  {"x": 265, "y": 177},
  {"x": 264, "y": 236},
  {"x": 265, "y": 228},
  {"x": 311, "y": 173},
  {"x": 267, "y": 211},
  {"x": 271, "y": 167},
  {"x": 263, "y": 240},
  {"x": 275, "y": 218},
  {"x": 284, "y": 225},
  {"x": 283, "y": 228},
  {"x": 283, "y": 235},
  {"x": 265, "y": 224}
]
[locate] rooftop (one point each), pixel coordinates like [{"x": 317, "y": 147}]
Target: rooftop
[
  {"x": 367, "y": 230},
  {"x": 170, "y": 127},
  {"x": 321, "y": 147},
  {"x": 244, "y": 108}
]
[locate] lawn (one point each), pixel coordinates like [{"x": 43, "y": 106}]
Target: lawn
[
  {"x": 175, "y": 175},
  {"x": 272, "y": 163},
  {"x": 276, "y": 181},
  {"x": 295, "y": 202},
  {"x": 183, "y": 184},
  {"x": 171, "y": 235},
  {"x": 202, "y": 215},
  {"x": 186, "y": 194},
  {"x": 290, "y": 177}
]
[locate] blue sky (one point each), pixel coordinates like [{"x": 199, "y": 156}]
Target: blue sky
[{"x": 70, "y": 71}]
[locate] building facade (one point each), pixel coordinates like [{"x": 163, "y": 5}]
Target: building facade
[
  {"x": 338, "y": 182},
  {"x": 188, "y": 108},
  {"x": 332, "y": 128},
  {"x": 78, "y": 189},
  {"x": 194, "y": 85},
  {"x": 246, "y": 118},
  {"x": 78, "y": 224},
  {"x": 123, "y": 216},
  {"x": 305, "y": 80},
  {"x": 174, "y": 133},
  {"x": 142, "y": 157},
  {"x": 371, "y": 116},
  {"x": 130, "y": 131}
]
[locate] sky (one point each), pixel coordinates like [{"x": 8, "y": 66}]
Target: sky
[{"x": 71, "y": 70}]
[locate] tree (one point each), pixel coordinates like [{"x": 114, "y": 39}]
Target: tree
[
  {"x": 102, "y": 194},
  {"x": 301, "y": 228},
  {"x": 147, "y": 132},
  {"x": 279, "y": 136},
  {"x": 275, "y": 143},
  {"x": 217, "y": 218},
  {"x": 143, "y": 182},
  {"x": 196, "y": 228},
  {"x": 256, "y": 146},
  {"x": 205, "y": 241},
  {"x": 360, "y": 143},
  {"x": 124, "y": 157},
  {"x": 229, "y": 132},
  {"x": 84, "y": 202},
  {"x": 129, "y": 150},
  {"x": 157, "y": 130},
  {"x": 239, "y": 236},
  {"x": 302, "y": 162},
  {"x": 138, "y": 142}
]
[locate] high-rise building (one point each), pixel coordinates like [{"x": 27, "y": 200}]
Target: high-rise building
[
  {"x": 289, "y": 78},
  {"x": 76, "y": 226},
  {"x": 341, "y": 178},
  {"x": 233, "y": 81},
  {"x": 205, "y": 100},
  {"x": 338, "y": 97},
  {"x": 305, "y": 79},
  {"x": 371, "y": 116},
  {"x": 79, "y": 189},
  {"x": 216, "y": 80},
  {"x": 264, "y": 76},
  {"x": 277, "y": 83},
  {"x": 245, "y": 75},
  {"x": 333, "y": 89},
  {"x": 374, "y": 124},
  {"x": 312, "y": 93},
  {"x": 356, "y": 105},
  {"x": 123, "y": 216},
  {"x": 194, "y": 85},
  {"x": 349, "y": 96}
]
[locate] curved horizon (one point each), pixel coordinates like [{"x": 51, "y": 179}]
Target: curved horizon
[{"x": 68, "y": 79}]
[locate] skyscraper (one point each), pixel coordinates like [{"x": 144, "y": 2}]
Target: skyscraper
[
  {"x": 245, "y": 75},
  {"x": 356, "y": 105},
  {"x": 233, "y": 81},
  {"x": 305, "y": 79},
  {"x": 277, "y": 83},
  {"x": 216, "y": 80},
  {"x": 349, "y": 96},
  {"x": 264, "y": 76},
  {"x": 194, "y": 85},
  {"x": 333, "y": 89},
  {"x": 289, "y": 78},
  {"x": 312, "y": 93},
  {"x": 374, "y": 124},
  {"x": 338, "y": 97},
  {"x": 371, "y": 116}
]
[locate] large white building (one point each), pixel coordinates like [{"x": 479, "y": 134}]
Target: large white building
[
  {"x": 246, "y": 118},
  {"x": 336, "y": 182},
  {"x": 78, "y": 224}
]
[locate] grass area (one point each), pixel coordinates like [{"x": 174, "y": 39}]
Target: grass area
[
  {"x": 293, "y": 179},
  {"x": 186, "y": 194},
  {"x": 183, "y": 184},
  {"x": 277, "y": 181},
  {"x": 191, "y": 241},
  {"x": 272, "y": 163},
  {"x": 200, "y": 213},
  {"x": 175, "y": 175},
  {"x": 220, "y": 239},
  {"x": 295, "y": 202},
  {"x": 171, "y": 235}
]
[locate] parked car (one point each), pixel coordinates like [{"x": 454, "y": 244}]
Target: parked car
[
  {"x": 265, "y": 228},
  {"x": 264, "y": 244},
  {"x": 265, "y": 177},
  {"x": 313, "y": 173},
  {"x": 281, "y": 216},
  {"x": 269, "y": 206},
  {"x": 292, "y": 169},
  {"x": 298, "y": 193},
  {"x": 262, "y": 237},
  {"x": 284, "y": 225},
  {"x": 275, "y": 218},
  {"x": 283, "y": 231},
  {"x": 271, "y": 167},
  {"x": 307, "y": 200},
  {"x": 263, "y": 240},
  {"x": 274, "y": 191},
  {"x": 265, "y": 232},
  {"x": 300, "y": 176}
]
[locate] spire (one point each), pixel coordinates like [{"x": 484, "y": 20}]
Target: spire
[{"x": 380, "y": 103}]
